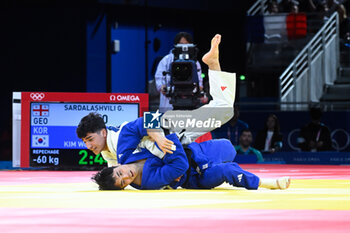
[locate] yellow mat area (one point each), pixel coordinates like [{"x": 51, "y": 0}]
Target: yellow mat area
[{"x": 315, "y": 194}]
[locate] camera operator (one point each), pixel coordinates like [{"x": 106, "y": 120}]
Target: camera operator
[{"x": 163, "y": 75}]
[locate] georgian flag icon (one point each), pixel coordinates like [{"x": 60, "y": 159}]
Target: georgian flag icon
[
  {"x": 40, "y": 141},
  {"x": 40, "y": 110}
]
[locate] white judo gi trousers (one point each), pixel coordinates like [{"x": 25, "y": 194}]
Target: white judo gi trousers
[{"x": 194, "y": 123}]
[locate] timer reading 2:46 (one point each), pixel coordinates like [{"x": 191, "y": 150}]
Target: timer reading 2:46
[{"x": 87, "y": 159}]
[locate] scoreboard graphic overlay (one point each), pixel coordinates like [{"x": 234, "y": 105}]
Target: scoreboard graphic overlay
[{"x": 49, "y": 122}]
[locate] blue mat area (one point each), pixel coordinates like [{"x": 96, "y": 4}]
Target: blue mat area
[{"x": 6, "y": 165}]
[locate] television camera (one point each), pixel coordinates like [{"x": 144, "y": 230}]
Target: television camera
[{"x": 184, "y": 91}]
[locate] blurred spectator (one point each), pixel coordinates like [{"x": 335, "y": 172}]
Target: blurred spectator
[
  {"x": 325, "y": 6},
  {"x": 269, "y": 139},
  {"x": 244, "y": 147},
  {"x": 328, "y": 7},
  {"x": 273, "y": 7},
  {"x": 342, "y": 13},
  {"x": 231, "y": 129},
  {"x": 291, "y": 6},
  {"x": 294, "y": 7},
  {"x": 315, "y": 136},
  {"x": 163, "y": 77}
]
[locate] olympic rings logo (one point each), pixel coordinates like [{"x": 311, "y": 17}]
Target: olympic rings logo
[
  {"x": 37, "y": 96},
  {"x": 340, "y": 133},
  {"x": 335, "y": 134}
]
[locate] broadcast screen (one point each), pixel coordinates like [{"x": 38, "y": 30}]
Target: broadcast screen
[
  {"x": 49, "y": 122},
  {"x": 53, "y": 131}
]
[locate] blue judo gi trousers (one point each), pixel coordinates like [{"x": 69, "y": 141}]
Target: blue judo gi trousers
[{"x": 213, "y": 165}]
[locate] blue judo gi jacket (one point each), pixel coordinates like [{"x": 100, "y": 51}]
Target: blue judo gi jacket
[
  {"x": 211, "y": 162},
  {"x": 157, "y": 172}
]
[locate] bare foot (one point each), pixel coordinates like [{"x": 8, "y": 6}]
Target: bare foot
[{"x": 211, "y": 58}]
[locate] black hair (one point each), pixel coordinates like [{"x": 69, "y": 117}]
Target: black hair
[
  {"x": 277, "y": 123},
  {"x": 185, "y": 35},
  {"x": 91, "y": 123},
  {"x": 246, "y": 130},
  {"x": 315, "y": 113},
  {"x": 105, "y": 179}
]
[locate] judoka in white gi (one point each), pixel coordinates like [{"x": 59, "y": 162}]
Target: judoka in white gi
[{"x": 156, "y": 161}]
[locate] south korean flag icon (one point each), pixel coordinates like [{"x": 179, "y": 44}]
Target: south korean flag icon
[{"x": 40, "y": 141}]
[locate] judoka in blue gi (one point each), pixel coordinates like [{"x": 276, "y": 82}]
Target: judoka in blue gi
[
  {"x": 204, "y": 165},
  {"x": 151, "y": 161}
]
